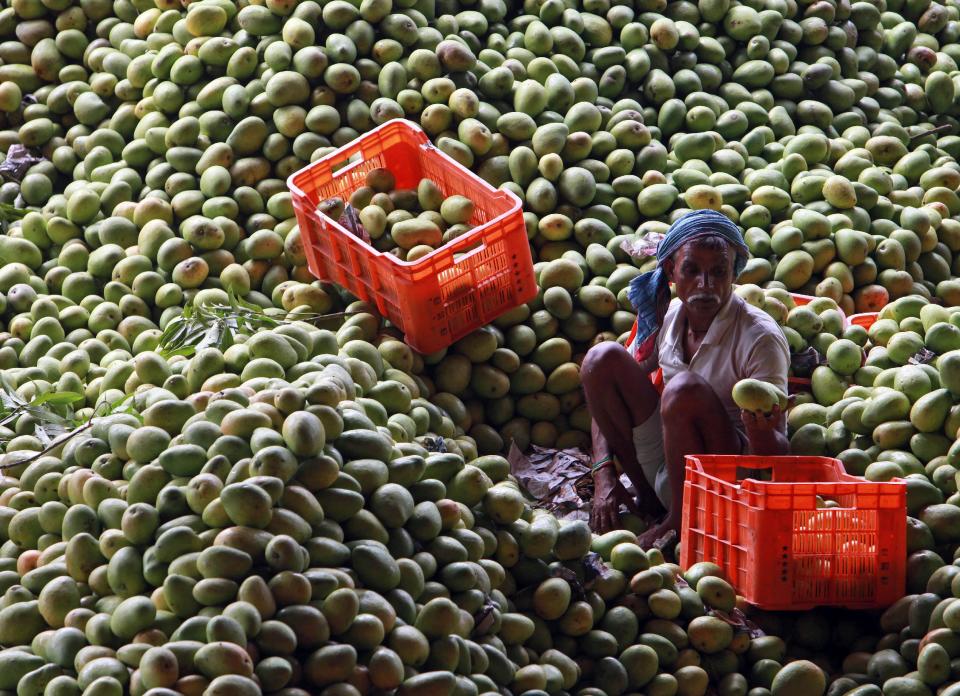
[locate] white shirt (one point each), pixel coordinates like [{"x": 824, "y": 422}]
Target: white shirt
[{"x": 742, "y": 341}]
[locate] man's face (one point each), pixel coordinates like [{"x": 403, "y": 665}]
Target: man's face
[{"x": 703, "y": 276}]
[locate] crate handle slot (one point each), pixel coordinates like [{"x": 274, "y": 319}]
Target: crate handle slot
[
  {"x": 754, "y": 473},
  {"x": 473, "y": 251},
  {"x": 352, "y": 162}
]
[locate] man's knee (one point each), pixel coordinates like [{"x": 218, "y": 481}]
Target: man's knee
[
  {"x": 602, "y": 363},
  {"x": 686, "y": 392}
]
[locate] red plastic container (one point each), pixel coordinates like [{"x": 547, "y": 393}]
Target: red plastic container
[
  {"x": 778, "y": 549},
  {"x": 440, "y": 297},
  {"x": 865, "y": 319}
]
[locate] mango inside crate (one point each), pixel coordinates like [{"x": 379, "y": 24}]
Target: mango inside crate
[{"x": 778, "y": 548}]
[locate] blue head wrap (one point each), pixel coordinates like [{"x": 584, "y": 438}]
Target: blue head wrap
[{"x": 644, "y": 288}]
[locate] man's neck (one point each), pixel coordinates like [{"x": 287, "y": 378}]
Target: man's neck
[{"x": 700, "y": 324}]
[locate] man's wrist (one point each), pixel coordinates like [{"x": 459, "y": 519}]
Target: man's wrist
[
  {"x": 605, "y": 471},
  {"x": 767, "y": 442},
  {"x": 755, "y": 435},
  {"x": 761, "y": 425},
  {"x": 601, "y": 463}
]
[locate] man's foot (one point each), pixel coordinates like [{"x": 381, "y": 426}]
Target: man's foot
[{"x": 659, "y": 535}]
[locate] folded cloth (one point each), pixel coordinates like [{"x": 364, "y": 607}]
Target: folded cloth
[{"x": 646, "y": 289}]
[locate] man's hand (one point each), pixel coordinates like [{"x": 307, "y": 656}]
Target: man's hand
[
  {"x": 608, "y": 494},
  {"x": 764, "y": 432},
  {"x": 761, "y": 423}
]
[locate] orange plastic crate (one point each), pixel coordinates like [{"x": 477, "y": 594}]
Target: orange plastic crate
[
  {"x": 445, "y": 295},
  {"x": 864, "y": 319},
  {"x": 778, "y": 549}
]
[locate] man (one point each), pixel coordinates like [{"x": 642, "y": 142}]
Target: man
[{"x": 704, "y": 342}]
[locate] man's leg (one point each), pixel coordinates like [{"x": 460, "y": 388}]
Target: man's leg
[
  {"x": 694, "y": 422},
  {"x": 620, "y": 397}
]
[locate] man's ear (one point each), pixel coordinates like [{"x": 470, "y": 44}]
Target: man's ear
[{"x": 668, "y": 267}]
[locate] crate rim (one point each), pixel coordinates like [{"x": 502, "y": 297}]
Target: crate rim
[
  {"x": 692, "y": 463},
  {"x": 857, "y": 315},
  {"x": 428, "y": 145}
]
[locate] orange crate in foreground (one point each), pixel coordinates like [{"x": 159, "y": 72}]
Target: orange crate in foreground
[
  {"x": 778, "y": 549},
  {"x": 445, "y": 295}
]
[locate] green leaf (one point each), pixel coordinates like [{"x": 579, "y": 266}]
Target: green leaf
[
  {"x": 58, "y": 398},
  {"x": 185, "y": 351},
  {"x": 211, "y": 337},
  {"x": 47, "y": 433},
  {"x": 215, "y": 325},
  {"x": 173, "y": 333},
  {"x": 244, "y": 303},
  {"x": 11, "y": 398},
  {"x": 10, "y": 212}
]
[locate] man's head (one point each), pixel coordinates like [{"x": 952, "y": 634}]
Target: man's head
[
  {"x": 702, "y": 270},
  {"x": 701, "y": 253}
]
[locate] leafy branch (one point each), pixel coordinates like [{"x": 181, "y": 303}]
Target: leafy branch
[
  {"x": 9, "y": 213},
  {"x": 216, "y": 325},
  {"x": 13, "y": 404},
  {"x": 103, "y": 409},
  {"x": 50, "y": 422}
]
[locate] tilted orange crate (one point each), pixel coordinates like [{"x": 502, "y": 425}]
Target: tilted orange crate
[
  {"x": 444, "y": 295},
  {"x": 778, "y": 549},
  {"x": 865, "y": 319}
]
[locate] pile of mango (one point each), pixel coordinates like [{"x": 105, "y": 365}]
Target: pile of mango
[
  {"x": 914, "y": 649},
  {"x": 807, "y": 323},
  {"x": 890, "y": 387},
  {"x": 322, "y": 510},
  {"x": 824, "y": 131},
  {"x": 910, "y": 648},
  {"x": 290, "y": 516},
  {"x": 505, "y": 383}
]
